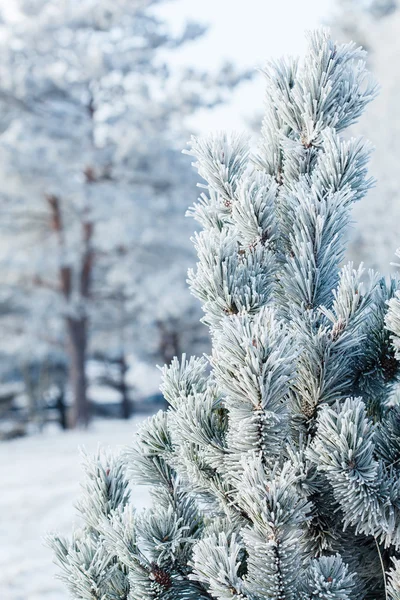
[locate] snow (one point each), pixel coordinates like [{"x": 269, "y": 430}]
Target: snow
[
  {"x": 103, "y": 394},
  {"x": 142, "y": 377},
  {"x": 40, "y": 485},
  {"x": 145, "y": 378}
]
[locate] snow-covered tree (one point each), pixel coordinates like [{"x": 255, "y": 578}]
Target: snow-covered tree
[
  {"x": 275, "y": 471},
  {"x": 91, "y": 127},
  {"x": 352, "y": 17},
  {"x": 376, "y": 240}
]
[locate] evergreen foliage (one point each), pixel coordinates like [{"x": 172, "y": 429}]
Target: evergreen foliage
[{"x": 275, "y": 471}]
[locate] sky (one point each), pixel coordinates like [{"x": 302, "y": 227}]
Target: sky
[{"x": 246, "y": 32}]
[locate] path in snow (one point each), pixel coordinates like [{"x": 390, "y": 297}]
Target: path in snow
[{"x": 40, "y": 478}]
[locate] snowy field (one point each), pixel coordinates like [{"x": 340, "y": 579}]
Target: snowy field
[{"x": 39, "y": 485}]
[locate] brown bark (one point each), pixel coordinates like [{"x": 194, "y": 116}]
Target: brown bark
[
  {"x": 77, "y": 342},
  {"x": 76, "y": 326},
  {"x": 123, "y": 388},
  {"x": 169, "y": 341}
]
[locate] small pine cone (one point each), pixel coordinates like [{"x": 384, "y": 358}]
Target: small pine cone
[
  {"x": 264, "y": 237},
  {"x": 337, "y": 329},
  {"x": 390, "y": 367},
  {"x": 308, "y": 410},
  {"x": 160, "y": 576}
]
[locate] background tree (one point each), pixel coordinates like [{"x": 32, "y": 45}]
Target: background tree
[
  {"x": 376, "y": 25},
  {"x": 89, "y": 149}
]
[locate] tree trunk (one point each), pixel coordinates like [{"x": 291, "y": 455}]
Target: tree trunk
[
  {"x": 34, "y": 394},
  {"x": 77, "y": 339},
  {"x": 125, "y": 401},
  {"x": 62, "y": 409},
  {"x": 169, "y": 342}
]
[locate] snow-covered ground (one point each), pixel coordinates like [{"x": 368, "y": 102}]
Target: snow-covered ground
[{"x": 39, "y": 485}]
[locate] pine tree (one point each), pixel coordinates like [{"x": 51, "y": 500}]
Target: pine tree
[
  {"x": 275, "y": 470},
  {"x": 369, "y": 23},
  {"x": 91, "y": 171}
]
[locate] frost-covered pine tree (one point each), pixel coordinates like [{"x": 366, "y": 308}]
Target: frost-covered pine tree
[
  {"x": 376, "y": 25},
  {"x": 92, "y": 121},
  {"x": 275, "y": 471}
]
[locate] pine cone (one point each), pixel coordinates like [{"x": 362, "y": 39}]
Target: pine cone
[
  {"x": 390, "y": 367},
  {"x": 160, "y": 576}
]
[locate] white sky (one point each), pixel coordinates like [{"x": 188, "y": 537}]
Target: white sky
[{"x": 247, "y": 32}]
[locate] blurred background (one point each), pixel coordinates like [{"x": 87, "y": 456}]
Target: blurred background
[{"x": 97, "y": 100}]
